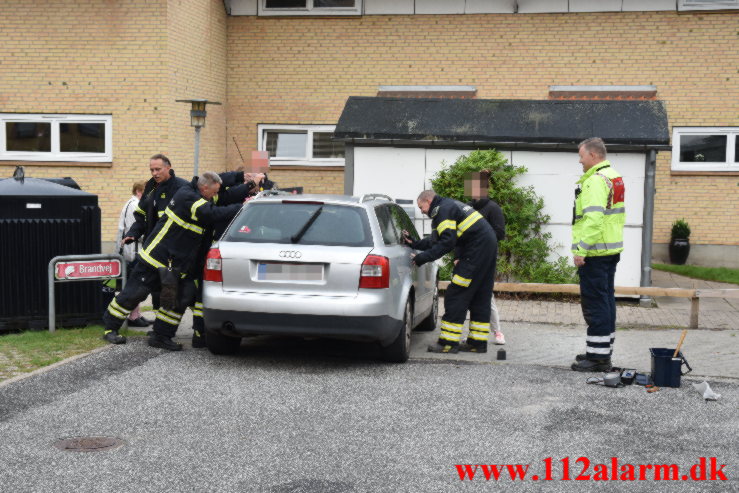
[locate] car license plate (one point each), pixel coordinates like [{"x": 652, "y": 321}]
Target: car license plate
[{"x": 289, "y": 271}]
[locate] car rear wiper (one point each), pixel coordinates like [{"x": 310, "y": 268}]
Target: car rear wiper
[{"x": 297, "y": 236}]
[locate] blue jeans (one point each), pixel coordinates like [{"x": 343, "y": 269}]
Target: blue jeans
[{"x": 598, "y": 301}]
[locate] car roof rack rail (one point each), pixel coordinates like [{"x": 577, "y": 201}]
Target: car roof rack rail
[
  {"x": 372, "y": 196},
  {"x": 267, "y": 193}
]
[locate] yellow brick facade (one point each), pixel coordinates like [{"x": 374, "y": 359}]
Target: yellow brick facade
[
  {"x": 129, "y": 59},
  {"x": 301, "y": 70},
  {"x": 133, "y": 58}
]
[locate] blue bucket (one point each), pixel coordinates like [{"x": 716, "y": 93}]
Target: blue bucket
[{"x": 666, "y": 370}]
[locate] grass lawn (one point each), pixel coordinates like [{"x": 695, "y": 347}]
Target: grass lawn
[
  {"x": 718, "y": 274},
  {"x": 30, "y": 350}
]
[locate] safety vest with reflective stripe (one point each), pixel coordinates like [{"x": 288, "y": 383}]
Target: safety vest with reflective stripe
[{"x": 600, "y": 213}]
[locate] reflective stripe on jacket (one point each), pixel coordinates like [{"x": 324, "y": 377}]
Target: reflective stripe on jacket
[
  {"x": 457, "y": 225},
  {"x": 600, "y": 213},
  {"x": 179, "y": 232}
]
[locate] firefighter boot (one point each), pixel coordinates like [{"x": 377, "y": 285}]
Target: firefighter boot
[
  {"x": 164, "y": 342},
  {"x": 112, "y": 337},
  {"x": 437, "y": 347},
  {"x": 474, "y": 347},
  {"x": 595, "y": 365},
  {"x": 198, "y": 339}
]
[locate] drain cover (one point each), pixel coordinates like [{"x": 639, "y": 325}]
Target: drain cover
[{"x": 88, "y": 444}]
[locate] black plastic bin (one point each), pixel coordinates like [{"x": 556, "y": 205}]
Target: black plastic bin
[
  {"x": 666, "y": 370},
  {"x": 40, "y": 220}
]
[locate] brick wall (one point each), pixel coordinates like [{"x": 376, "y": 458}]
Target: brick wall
[
  {"x": 129, "y": 59},
  {"x": 301, "y": 70},
  {"x": 197, "y": 70}
]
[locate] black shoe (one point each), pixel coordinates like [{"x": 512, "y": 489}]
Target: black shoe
[
  {"x": 583, "y": 357},
  {"x": 164, "y": 343},
  {"x": 469, "y": 347},
  {"x": 198, "y": 340},
  {"x": 139, "y": 322},
  {"x": 594, "y": 365},
  {"x": 112, "y": 337},
  {"x": 446, "y": 348}
]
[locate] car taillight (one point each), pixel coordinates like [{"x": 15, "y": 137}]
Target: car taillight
[
  {"x": 375, "y": 273},
  {"x": 212, "y": 270}
]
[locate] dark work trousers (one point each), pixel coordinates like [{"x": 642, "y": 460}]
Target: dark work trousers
[
  {"x": 142, "y": 281},
  {"x": 198, "y": 324},
  {"x": 475, "y": 298},
  {"x": 139, "y": 284},
  {"x": 598, "y": 301},
  {"x": 167, "y": 320}
]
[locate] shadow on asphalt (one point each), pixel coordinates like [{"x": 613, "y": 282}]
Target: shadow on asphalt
[{"x": 318, "y": 353}]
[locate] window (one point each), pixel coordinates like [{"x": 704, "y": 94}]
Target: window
[
  {"x": 403, "y": 222},
  {"x": 307, "y": 145},
  {"x": 705, "y": 149},
  {"x": 310, "y": 7},
  {"x": 393, "y": 220},
  {"x": 85, "y": 138},
  {"x": 279, "y": 222},
  {"x": 707, "y": 4},
  {"x": 390, "y": 234}
]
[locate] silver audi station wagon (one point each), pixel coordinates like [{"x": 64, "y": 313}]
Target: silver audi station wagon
[{"x": 318, "y": 265}]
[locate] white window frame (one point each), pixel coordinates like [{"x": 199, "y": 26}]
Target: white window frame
[
  {"x": 707, "y": 4},
  {"x": 309, "y": 160},
  {"x": 310, "y": 9},
  {"x": 732, "y": 133},
  {"x": 55, "y": 154}
]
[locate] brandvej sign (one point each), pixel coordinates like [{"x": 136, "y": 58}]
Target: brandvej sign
[
  {"x": 70, "y": 268},
  {"x": 87, "y": 269}
]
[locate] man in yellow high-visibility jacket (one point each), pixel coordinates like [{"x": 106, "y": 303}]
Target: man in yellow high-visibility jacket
[{"x": 597, "y": 243}]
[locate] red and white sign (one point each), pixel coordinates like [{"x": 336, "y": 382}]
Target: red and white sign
[{"x": 88, "y": 269}]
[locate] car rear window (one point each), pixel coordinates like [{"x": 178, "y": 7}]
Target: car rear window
[{"x": 280, "y": 222}]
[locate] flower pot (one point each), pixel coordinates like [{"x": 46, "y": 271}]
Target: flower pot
[{"x": 679, "y": 250}]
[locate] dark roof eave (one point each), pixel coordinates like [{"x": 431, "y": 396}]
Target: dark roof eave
[{"x": 509, "y": 144}]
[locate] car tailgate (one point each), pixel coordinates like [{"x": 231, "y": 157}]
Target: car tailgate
[{"x": 292, "y": 269}]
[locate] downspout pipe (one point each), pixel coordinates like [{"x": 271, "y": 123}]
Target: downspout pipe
[
  {"x": 349, "y": 169},
  {"x": 650, "y": 171}
]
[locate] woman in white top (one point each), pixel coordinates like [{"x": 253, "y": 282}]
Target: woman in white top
[{"x": 125, "y": 221}]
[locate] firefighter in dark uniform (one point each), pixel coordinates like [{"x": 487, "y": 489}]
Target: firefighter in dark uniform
[
  {"x": 459, "y": 227},
  {"x": 171, "y": 246},
  {"x": 158, "y": 191},
  {"x": 232, "y": 192}
]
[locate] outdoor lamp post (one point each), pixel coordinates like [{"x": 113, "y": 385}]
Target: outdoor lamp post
[{"x": 197, "y": 120}]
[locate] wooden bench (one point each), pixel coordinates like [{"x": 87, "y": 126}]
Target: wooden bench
[{"x": 694, "y": 294}]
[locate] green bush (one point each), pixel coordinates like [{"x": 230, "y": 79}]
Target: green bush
[
  {"x": 522, "y": 256},
  {"x": 680, "y": 229}
]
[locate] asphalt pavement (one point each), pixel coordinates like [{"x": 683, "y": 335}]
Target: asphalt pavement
[{"x": 292, "y": 415}]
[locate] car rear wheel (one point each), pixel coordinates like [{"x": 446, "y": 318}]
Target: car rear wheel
[
  {"x": 220, "y": 344},
  {"x": 429, "y": 323},
  {"x": 400, "y": 349}
]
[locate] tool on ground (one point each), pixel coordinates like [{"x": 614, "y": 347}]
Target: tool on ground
[
  {"x": 501, "y": 354},
  {"x": 609, "y": 379},
  {"x": 642, "y": 379},
  {"x": 679, "y": 344}
]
